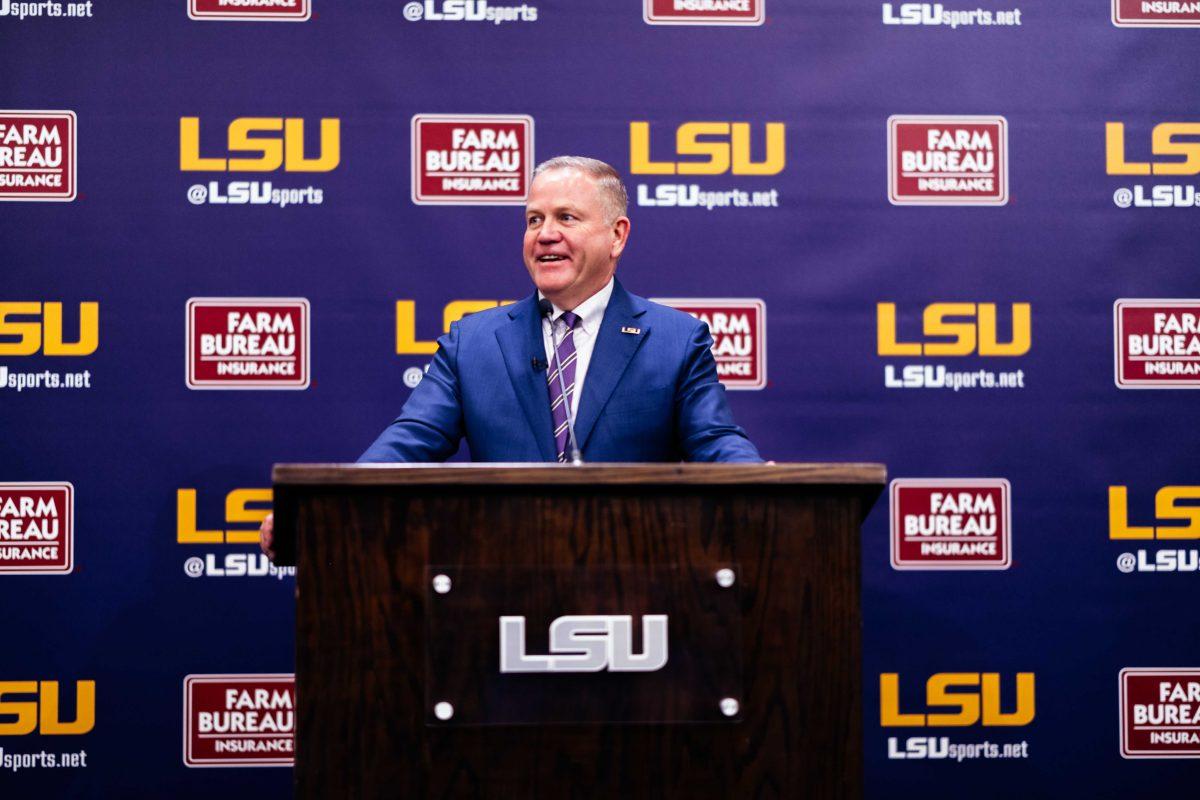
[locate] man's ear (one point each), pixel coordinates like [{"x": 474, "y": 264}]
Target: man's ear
[{"x": 620, "y": 229}]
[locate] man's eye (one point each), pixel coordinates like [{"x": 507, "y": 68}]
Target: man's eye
[
  {"x": 568, "y": 216},
  {"x": 533, "y": 220}
]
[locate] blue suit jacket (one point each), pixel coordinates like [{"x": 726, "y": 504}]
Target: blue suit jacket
[{"x": 647, "y": 396}]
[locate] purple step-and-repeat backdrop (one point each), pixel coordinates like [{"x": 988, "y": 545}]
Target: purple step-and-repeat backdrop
[{"x": 955, "y": 237}]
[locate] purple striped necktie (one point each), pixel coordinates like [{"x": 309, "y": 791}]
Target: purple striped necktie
[{"x": 564, "y": 360}]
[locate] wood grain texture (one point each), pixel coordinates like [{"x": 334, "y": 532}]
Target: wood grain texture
[
  {"x": 363, "y": 664},
  {"x": 479, "y": 474}
]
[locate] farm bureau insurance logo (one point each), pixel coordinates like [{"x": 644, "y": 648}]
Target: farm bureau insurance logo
[
  {"x": 726, "y": 149},
  {"x": 278, "y": 143},
  {"x": 953, "y": 330},
  {"x": 947, "y": 161},
  {"x": 37, "y": 528},
  {"x": 703, "y": 12},
  {"x": 1157, "y": 344},
  {"x": 469, "y": 11},
  {"x": 1155, "y": 13},
  {"x": 937, "y": 15},
  {"x": 1160, "y": 712},
  {"x": 247, "y": 343},
  {"x": 471, "y": 159},
  {"x": 1171, "y": 139},
  {"x": 739, "y": 333},
  {"x": 37, "y": 155},
  {"x": 951, "y": 523},
  {"x": 249, "y": 10},
  {"x": 239, "y": 720}
]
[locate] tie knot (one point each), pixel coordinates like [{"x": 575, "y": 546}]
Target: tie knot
[{"x": 570, "y": 319}]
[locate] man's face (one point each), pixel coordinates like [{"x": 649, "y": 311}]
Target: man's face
[{"x": 571, "y": 248}]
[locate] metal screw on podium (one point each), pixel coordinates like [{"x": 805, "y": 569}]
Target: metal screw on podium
[
  {"x": 729, "y": 707},
  {"x": 441, "y": 585},
  {"x": 445, "y": 711},
  {"x": 725, "y": 579}
]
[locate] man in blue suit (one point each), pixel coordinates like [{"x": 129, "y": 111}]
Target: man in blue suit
[{"x": 639, "y": 380}]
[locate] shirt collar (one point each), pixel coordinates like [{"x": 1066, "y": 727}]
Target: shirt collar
[{"x": 590, "y": 311}]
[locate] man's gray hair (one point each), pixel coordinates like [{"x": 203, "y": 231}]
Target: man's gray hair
[{"x": 608, "y": 180}]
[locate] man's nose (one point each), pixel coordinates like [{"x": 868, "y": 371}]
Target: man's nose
[{"x": 549, "y": 232}]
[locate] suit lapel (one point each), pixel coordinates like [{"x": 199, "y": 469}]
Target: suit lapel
[
  {"x": 610, "y": 357},
  {"x": 520, "y": 341}
]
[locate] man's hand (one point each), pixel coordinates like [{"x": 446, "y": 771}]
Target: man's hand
[{"x": 266, "y": 536}]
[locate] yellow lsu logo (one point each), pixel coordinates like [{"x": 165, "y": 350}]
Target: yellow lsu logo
[
  {"x": 407, "y": 343},
  {"x": 975, "y": 699},
  {"x": 1163, "y": 142},
  {"x": 1166, "y": 506},
  {"x": 237, "y": 511},
  {"x": 41, "y": 715},
  {"x": 46, "y": 334},
  {"x": 975, "y": 333},
  {"x": 726, "y": 148},
  {"x": 276, "y": 151}
]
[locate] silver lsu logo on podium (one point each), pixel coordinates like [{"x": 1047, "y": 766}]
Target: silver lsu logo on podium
[{"x": 591, "y": 643}]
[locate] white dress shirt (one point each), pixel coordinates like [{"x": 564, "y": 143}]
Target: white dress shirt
[{"x": 590, "y": 312}]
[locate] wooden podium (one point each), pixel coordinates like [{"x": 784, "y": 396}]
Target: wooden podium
[{"x": 549, "y": 631}]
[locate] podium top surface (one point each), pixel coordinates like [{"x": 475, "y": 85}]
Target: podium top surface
[{"x": 569, "y": 474}]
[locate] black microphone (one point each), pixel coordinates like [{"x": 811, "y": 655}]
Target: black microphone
[{"x": 545, "y": 309}]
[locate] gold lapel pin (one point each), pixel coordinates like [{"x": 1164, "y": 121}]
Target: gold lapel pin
[{"x": 634, "y": 331}]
